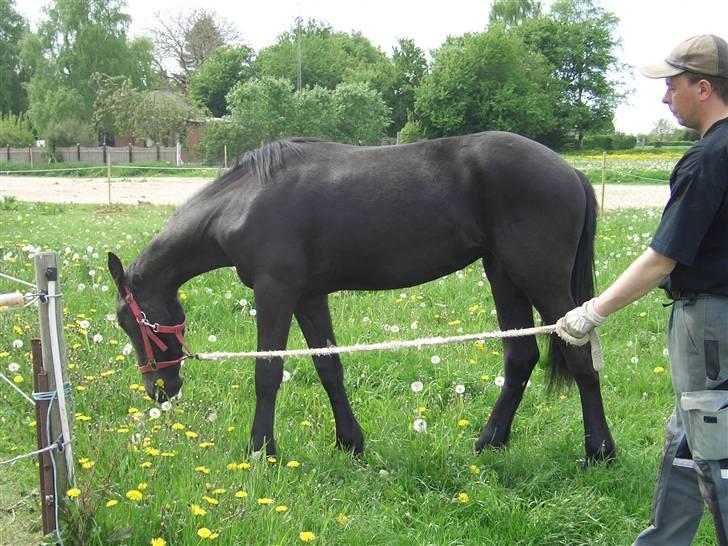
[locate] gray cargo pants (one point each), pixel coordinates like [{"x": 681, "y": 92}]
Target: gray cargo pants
[{"x": 690, "y": 476}]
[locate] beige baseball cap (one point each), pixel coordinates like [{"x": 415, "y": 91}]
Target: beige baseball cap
[{"x": 704, "y": 54}]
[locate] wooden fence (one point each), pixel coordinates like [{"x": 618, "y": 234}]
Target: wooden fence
[{"x": 96, "y": 155}]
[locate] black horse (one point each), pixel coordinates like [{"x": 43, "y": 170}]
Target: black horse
[{"x": 302, "y": 218}]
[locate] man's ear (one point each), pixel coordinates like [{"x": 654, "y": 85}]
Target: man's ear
[{"x": 117, "y": 272}]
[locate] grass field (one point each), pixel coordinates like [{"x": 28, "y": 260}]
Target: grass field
[{"x": 184, "y": 476}]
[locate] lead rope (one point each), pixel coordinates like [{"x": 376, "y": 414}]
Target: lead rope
[{"x": 596, "y": 349}]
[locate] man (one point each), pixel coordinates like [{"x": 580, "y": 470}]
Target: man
[{"x": 688, "y": 257}]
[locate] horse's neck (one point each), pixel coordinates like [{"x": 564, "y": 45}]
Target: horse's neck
[{"x": 171, "y": 259}]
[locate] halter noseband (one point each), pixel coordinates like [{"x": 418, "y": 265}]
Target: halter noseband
[{"x": 149, "y": 333}]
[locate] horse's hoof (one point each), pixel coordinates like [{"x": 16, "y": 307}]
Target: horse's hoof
[{"x": 605, "y": 453}]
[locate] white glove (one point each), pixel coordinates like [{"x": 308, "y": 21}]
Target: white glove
[{"x": 581, "y": 320}]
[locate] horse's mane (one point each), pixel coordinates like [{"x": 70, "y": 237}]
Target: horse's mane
[{"x": 268, "y": 158}]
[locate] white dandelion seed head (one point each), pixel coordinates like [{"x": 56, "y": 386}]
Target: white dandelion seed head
[
  {"x": 420, "y": 425},
  {"x": 387, "y": 327},
  {"x": 154, "y": 413},
  {"x": 435, "y": 359},
  {"x": 634, "y": 360},
  {"x": 18, "y": 344},
  {"x": 13, "y": 367},
  {"x": 395, "y": 329},
  {"x": 253, "y": 312},
  {"x": 500, "y": 381},
  {"x": 212, "y": 338},
  {"x": 212, "y": 417},
  {"x": 104, "y": 288},
  {"x": 166, "y": 405},
  {"x": 417, "y": 386},
  {"x": 665, "y": 352},
  {"x": 110, "y": 317},
  {"x": 243, "y": 303},
  {"x": 89, "y": 249},
  {"x": 84, "y": 324},
  {"x": 126, "y": 351},
  {"x": 413, "y": 326},
  {"x": 208, "y": 290},
  {"x": 98, "y": 338},
  {"x": 460, "y": 389},
  {"x": 228, "y": 295},
  {"x": 630, "y": 343},
  {"x": 366, "y": 319},
  {"x": 286, "y": 375},
  {"x": 91, "y": 272},
  {"x": 81, "y": 287},
  {"x": 95, "y": 255}
]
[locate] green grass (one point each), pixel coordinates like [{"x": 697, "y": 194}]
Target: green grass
[{"x": 404, "y": 489}]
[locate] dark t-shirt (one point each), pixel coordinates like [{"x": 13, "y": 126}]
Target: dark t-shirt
[{"x": 694, "y": 225}]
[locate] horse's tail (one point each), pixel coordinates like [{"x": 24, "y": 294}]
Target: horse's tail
[{"x": 582, "y": 280}]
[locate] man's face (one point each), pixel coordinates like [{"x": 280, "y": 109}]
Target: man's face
[{"x": 682, "y": 99}]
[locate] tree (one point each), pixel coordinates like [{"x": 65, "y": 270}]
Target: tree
[
  {"x": 78, "y": 39},
  {"x": 189, "y": 38},
  {"x": 15, "y": 130},
  {"x": 410, "y": 67},
  {"x": 13, "y": 98},
  {"x": 577, "y": 38},
  {"x": 662, "y": 130},
  {"x": 513, "y": 12},
  {"x": 362, "y": 116},
  {"x": 218, "y": 75},
  {"x": 486, "y": 81}
]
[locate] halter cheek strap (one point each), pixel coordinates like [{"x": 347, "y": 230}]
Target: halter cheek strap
[{"x": 149, "y": 333}]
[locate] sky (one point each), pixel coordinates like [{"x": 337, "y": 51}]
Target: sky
[{"x": 648, "y": 29}]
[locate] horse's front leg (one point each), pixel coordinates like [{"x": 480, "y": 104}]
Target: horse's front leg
[
  {"x": 314, "y": 319},
  {"x": 274, "y": 305}
]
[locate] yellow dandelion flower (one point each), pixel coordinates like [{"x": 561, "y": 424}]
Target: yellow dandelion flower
[
  {"x": 198, "y": 511},
  {"x": 204, "y": 532},
  {"x": 342, "y": 518},
  {"x": 305, "y": 423},
  {"x": 282, "y": 508},
  {"x": 659, "y": 370},
  {"x": 158, "y": 542},
  {"x": 244, "y": 466},
  {"x": 206, "y": 445},
  {"x": 463, "y": 498},
  {"x": 265, "y": 501},
  {"x": 474, "y": 469},
  {"x": 80, "y": 388},
  {"x": 293, "y": 464},
  {"x": 142, "y": 486},
  {"x": 191, "y": 434},
  {"x": 146, "y": 464},
  {"x": 306, "y": 536},
  {"x": 120, "y": 358},
  {"x": 18, "y": 379},
  {"x": 463, "y": 422},
  {"x": 159, "y": 382},
  {"x": 111, "y": 503},
  {"x": 219, "y": 491},
  {"x": 178, "y": 426},
  {"x": 230, "y": 429},
  {"x": 134, "y": 495},
  {"x": 231, "y": 466},
  {"x": 87, "y": 465},
  {"x": 210, "y": 500},
  {"x": 643, "y": 314},
  {"x": 453, "y": 323},
  {"x": 74, "y": 492},
  {"x": 202, "y": 469},
  {"x": 241, "y": 494},
  {"x": 272, "y": 460}
]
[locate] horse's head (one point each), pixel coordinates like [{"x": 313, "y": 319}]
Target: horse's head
[{"x": 154, "y": 322}]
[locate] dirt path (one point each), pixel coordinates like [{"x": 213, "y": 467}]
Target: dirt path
[{"x": 174, "y": 191}]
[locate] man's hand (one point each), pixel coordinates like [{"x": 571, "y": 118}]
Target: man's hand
[{"x": 580, "y": 321}]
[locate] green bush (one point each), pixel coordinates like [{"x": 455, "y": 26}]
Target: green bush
[
  {"x": 70, "y": 132},
  {"x": 411, "y": 132},
  {"x": 617, "y": 141},
  {"x": 16, "y": 131}
]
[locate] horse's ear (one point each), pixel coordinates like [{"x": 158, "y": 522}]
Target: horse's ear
[{"x": 117, "y": 271}]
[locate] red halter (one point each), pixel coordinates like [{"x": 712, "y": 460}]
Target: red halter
[{"x": 149, "y": 333}]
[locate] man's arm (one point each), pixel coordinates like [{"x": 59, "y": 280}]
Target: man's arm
[{"x": 644, "y": 274}]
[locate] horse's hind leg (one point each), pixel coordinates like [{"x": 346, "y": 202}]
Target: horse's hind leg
[
  {"x": 519, "y": 354},
  {"x": 315, "y": 321}
]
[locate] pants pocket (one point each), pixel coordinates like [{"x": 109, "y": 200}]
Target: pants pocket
[{"x": 707, "y": 426}]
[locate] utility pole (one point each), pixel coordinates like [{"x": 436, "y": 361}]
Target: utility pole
[{"x": 299, "y": 40}]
